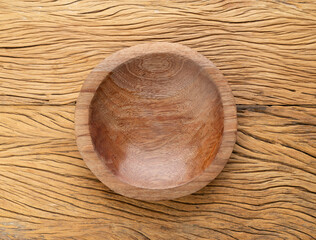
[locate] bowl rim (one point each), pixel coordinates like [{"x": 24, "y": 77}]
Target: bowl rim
[{"x": 99, "y": 168}]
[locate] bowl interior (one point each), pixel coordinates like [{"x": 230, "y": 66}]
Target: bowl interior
[{"x": 156, "y": 121}]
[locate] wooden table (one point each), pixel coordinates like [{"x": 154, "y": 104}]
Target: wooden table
[{"x": 266, "y": 50}]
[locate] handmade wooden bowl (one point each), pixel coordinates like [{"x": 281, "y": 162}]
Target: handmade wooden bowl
[{"x": 156, "y": 121}]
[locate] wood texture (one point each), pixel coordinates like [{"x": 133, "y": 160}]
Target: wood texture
[
  {"x": 266, "y": 190},
  {"x": 269, "y": 45},
  {"x": 266, "y": 50},
  {"x": 156, "y": 121}
]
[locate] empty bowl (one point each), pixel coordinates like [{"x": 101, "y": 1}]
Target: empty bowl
[{"x": 155, "y": 121}]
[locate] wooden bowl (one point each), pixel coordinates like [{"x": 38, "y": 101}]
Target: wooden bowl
[{"x": 156, "y": 121}]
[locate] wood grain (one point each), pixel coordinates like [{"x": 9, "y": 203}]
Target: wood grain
[
  {"x": 266, "y": 190},
  {"x": 267, "y": 52},
  {"x": 156, "y": 121},
  {"x": 265, "y": 49}
]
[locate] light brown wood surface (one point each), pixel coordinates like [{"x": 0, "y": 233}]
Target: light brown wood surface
[{"x": 265, "y": 49}]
